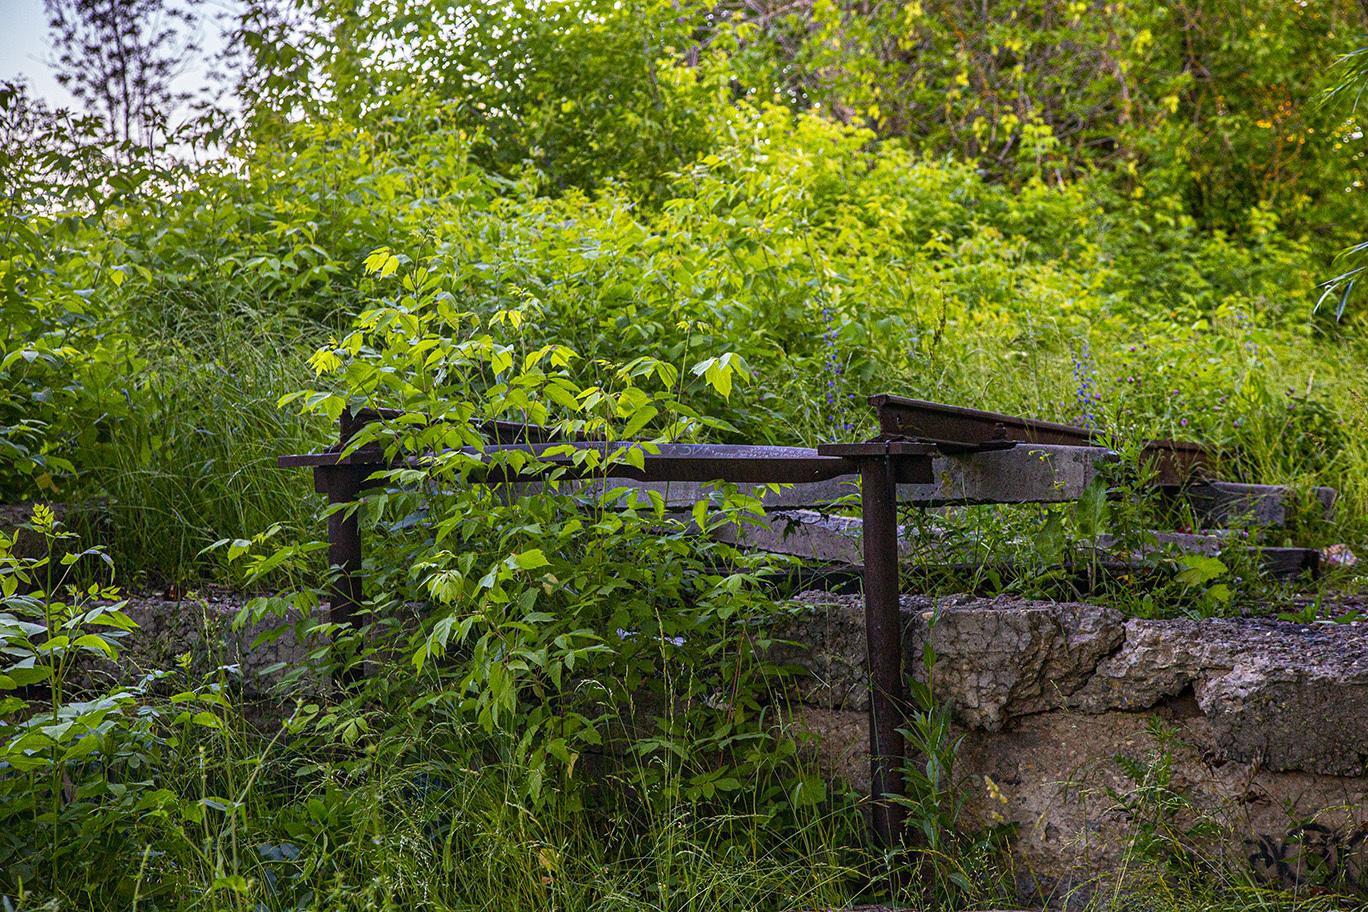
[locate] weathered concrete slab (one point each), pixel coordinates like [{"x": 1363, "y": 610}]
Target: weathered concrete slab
[
  {"x": 684, "y": 494},
  {"x": 1058, "y": 777},
  {"x": 1289, "y": 696},
  {"x": 803, "y": 533},
  {"x": 1026, "y": 473},
  {"x": 1263, "y": 726},
  {"x": 1296, "y": 696},
  {"x": 197, "y": 634},
  {"x": 1223, "y": 504},
  {"x": 1208, "y": 544},
  {"x": 813, "y": 535}
]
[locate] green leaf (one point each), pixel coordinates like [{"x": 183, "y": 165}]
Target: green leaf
[
  {"x": 809, "y": 791},
  {"x": 1091, "y": 510},
  {"x": 531, "y": 559},
  {"x": 207, "y": 720},
  {"x": 1219, "y": 593},
  {"x": 97, "y": 642},
  {"x": 81, "y": 747},
  {"x": 1200, "y": 569},
  {"x": 24, "y": 676},
  {"x": 235, "y": 882},
  {"x": 1049, "y": 541},
  {"x": 562, "y": 395},
  {"x": 642, "y": 417}
]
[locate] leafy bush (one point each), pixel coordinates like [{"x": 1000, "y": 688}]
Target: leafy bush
[{"x": 567, "y": 607}]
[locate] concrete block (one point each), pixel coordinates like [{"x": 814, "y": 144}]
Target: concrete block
[
  {"x": 807, "y": 534},
  {"x": 684, "y": 494},
  {"x": 1208, "y": 544},
  {"x": 1225, "y": 503},
  {"x": 1271, "y": 720},
  {"x": 1026, "y": 473},
  {"x": 803, "y": 533}
]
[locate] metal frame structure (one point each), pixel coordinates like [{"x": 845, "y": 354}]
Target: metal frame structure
[
  {"x": 881, "y": 465},
  {"x": 957, "y": 429}
]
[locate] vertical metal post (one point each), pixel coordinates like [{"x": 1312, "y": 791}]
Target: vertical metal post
[
  {"x": 342, "y": 484},
  {"x": 883, "y": 636}
]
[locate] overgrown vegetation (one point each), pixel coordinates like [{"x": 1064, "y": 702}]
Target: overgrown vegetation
[{"x": 665, "y": 220}]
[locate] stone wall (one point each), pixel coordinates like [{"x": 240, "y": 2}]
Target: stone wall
[
  {"x": 197, "y": 636},
  {"x": 1264, "y": 723},
  {"x": 1268, "y": 721}
]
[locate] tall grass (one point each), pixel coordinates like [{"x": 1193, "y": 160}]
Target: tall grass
[
  {"x": 421, "y": 817},
  {"x": 426, "y": 817},
  {"x": 199, "y": 463},
  {"x": 187, "y": 797}
]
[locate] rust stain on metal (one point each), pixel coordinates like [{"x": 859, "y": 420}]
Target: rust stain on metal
[{"x": 952, "y": 426}]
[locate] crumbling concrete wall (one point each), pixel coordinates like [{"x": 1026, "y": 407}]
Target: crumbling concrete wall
[
  {"x": 1267, "y": 723},
  {"x": 197, "y": 636}
]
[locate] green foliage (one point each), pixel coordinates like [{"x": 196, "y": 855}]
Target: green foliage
[
  {"x": 587, "y": 719},
  {"x": 568, "y": 607},
  {"x": 620, "y": 218},
  {"x": 74, "y": 771},
  {"x": 1178, "y": 856},
  {"x": 58, "y": 368},
  {"x": 417, "y": 788},
  {"x": 199, "y": 460},
  {"x": 1165, "y": 829},
  {"x": 1211, "y": 102},
  {"x": 953, "y": 866}
]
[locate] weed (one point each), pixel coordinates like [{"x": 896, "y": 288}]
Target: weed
[
  {"x": 198, "y": 463},
  {"x": 951, "y": 864},
  {"x": 1165, "y": 830},
  {"x": 1176, "y": 855}
]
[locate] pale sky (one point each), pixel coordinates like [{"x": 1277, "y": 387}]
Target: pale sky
[{"x": 23, "y": 47}]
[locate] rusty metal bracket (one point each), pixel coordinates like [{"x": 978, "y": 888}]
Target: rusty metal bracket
[
  {"x": 951, "y": 427},
  {"x": 882, "y": 465}
]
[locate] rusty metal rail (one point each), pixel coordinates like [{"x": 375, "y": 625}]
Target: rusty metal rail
[
  {"x": 956, "y": 429},
  {"x": 881, "y": 466},
  {"x": 742, "y": 464}
]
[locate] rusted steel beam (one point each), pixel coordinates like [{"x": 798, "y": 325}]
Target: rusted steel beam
[
  {"x": 952, "y": 426},
  {"x": 342, "y": 484},
  {"x": 973, "y": 427},
  {"x": 343, "y": 478},
  {"x": 910, "y": 462},
  {"x": 881, "y": 466},
  {"x": 686, "y": 462},
  {"x": 883, "y": 644}
]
